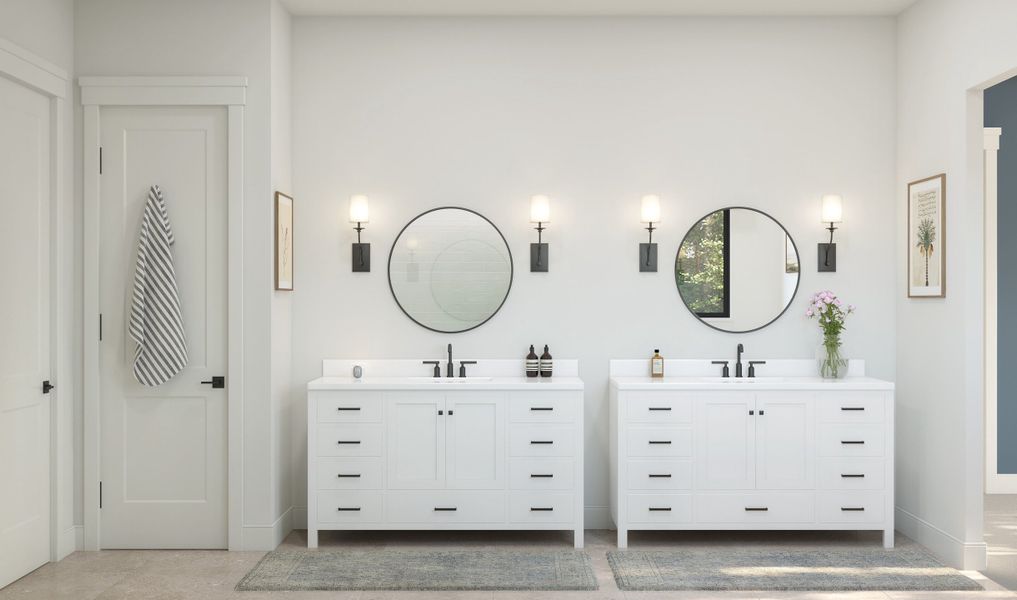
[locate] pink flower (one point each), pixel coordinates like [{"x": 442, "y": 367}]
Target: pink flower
[
  {"x": 809, "y": 313},
  {"x": 819, "y": 305},
  {"x": 837, "y": 302},
  {"x": 827, "y": 299}
]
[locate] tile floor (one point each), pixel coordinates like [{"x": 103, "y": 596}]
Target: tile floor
[{"x": 201, "y": 575}]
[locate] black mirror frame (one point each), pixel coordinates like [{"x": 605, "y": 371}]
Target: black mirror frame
[
  {"x": 798, "y": 283},
  {"x": 500, "y": 234}
]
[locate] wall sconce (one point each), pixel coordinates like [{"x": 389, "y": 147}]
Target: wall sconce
[
  {"x": 540, "y": 213},
  {"x": 832, "y": 213},
  {"x": 649, "y": 214},
  {"x": 359, "y": 214}
]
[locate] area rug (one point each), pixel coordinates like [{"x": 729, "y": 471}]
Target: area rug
[
  {"x": 907, "y": 567},
  {"x": 424, "y": 570}
]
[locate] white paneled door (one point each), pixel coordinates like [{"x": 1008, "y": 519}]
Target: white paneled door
[
  {"x": 163, "y": 454},
  {"x": 24, "y": 330}
]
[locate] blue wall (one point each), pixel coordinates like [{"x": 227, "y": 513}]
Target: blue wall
[{"x": 1001, "y": 111}]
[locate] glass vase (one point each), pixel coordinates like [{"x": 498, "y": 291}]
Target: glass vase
[{"x": 832, "y": 365}]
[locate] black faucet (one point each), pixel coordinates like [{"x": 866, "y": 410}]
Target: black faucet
[
  {"x": 450, "y": 372},
  {"x": 738, "y": 365}
]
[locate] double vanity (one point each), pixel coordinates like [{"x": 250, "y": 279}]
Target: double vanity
[{"x": 691, "y": 451}]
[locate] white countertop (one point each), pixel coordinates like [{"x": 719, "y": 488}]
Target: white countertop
[
  {"x": 444, "y": 384},
  {"x": 745, "y": 383}
]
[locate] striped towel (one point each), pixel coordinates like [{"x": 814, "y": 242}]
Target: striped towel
[{"x": 156, "y": 324}]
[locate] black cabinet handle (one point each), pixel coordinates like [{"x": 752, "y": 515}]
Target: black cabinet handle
[
  {"x": 853, "y": 475},
  {"x": 541, "y": 441},
  {"x": 341, "y": 408},
  {"x": 665, "y": 442},
  {"x": 445, "y": 509},
  {"x": 752, "y": 412},
  {"x": 852, "y": 441},
  {"x": 541, "y": 408},
  {"x": 661, "y": 476},
  {"x": 450, "y": 412},
  {"x": 541, "y": 475},
  {"x": 541, "y": 509},
  {"x": 852, "y": 509},
  {"x": 441, "y": 412},
  {"x": 756, "y": 509},
  {"x": 660, "y": 509},
  {"x": 852, "y": 408},
  {"x": 349, "y": 509},
  {"x": 348, "y": 442},
  {"x": 349, "y": 475},
  {"x": 660, "y": 408}
]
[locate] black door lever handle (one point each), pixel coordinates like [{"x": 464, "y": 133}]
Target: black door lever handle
[{"x": 217, "y": 382}]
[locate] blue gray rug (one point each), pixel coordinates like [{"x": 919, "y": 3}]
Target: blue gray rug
[
  {"x": 449, "y": 570},
  {"x": 818, "y": 569}
]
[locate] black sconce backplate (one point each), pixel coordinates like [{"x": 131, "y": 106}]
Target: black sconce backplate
[
  {"x": 361, "y": 258},
  {"x": 647, "y": 257},
  {"x": 827, "y": 258},
  {"x": 539, "y": 258}
]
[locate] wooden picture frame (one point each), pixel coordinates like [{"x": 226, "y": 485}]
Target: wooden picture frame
[
  {"x": 926, "y": 235},
  {"x": 283, "y": 242}
]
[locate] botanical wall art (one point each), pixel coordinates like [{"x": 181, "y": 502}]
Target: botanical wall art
[
  {"x": 283, "y": 242},
  {"x": 927, "y": 237}
]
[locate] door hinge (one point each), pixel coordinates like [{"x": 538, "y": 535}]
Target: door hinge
[
  {"x": 100, "y": 494},
  {"x": 100, "y": 327},
  {"x": 100, "y": 160}
]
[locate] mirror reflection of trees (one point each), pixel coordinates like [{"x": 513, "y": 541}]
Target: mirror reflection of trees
[{"x": 701, "y": 268}]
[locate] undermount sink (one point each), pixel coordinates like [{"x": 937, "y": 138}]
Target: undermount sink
[
  {"x": 448, "y": 379},
  {"x": 743, "y": 379}
]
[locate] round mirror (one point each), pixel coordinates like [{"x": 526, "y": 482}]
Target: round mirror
[
  {"x": 450, "y": 269},
  {"x": 737, "y": 269}
]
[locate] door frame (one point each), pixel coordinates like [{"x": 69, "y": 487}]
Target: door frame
[
  {"x": 34, "y": 72},
  {"x": 97, "y": 92}
]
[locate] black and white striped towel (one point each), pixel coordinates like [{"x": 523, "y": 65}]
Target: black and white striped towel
[{"x": 156, "y": 324}]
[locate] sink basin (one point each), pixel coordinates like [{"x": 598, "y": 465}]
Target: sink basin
[{"x": 448, "y": 380}]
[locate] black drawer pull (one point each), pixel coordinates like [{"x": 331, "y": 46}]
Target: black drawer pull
[
  {"x": 541, "y": 441},
  {"x": 348, "y": 408},
  {"x": 349, "y": 509},
  {"x": 660, "y": 476},
  {"x": 852, "y": 408},
  {"x": 348, "y": 442},
  {"x": 853, "y": 475},
  {"x": 852, "y": 509},
  {"x": 541, "y": 475},
  {"x": 445, "y": 509},
  {"x": 349, "y": 475},
  {"x": 756, "y": 509},
  {"x": 660, "y": 509},
  {"x": 665, "y": 442},
  {"x": 541, "y": 509},
  {"x": 541, "y": 408},
  {"x": 660, "y": 408},
  {"x": 852, "y": 441}
]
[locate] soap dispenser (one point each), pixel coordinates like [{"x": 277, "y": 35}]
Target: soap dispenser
[
  {"x": 545, "y": 363},
  {"x": 656, "y": 364},
  {"x": 532, "y": 363}
]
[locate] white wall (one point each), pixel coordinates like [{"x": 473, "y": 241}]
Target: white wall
[
  {"x": 948, "y": 51},
  {"x": 417, "y": 113},
  {"x": 46, "y": 29}
]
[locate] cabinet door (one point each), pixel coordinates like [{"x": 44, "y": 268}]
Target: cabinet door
[
  {"x": 725, "y": 432},
  {"x": 475, "y": 441},
  {"x": 415, "y": 442},
  {"x": 785, "y": 441}
]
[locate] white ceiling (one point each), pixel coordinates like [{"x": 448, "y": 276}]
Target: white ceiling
[{"x": 598, "y": 7}]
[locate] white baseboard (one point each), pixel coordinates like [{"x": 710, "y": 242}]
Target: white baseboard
[
  {"x": 969, "y": 556},
  {"x": 597, "y": 517},
  {"x": 268, "y": 537},
  {"x": 1000, "y": 483},
  {"x": 69, "y": 540}
]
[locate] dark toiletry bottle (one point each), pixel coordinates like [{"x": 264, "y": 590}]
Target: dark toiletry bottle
[
  {"x": 545, "y": 363},
  {"x": 532, "y": 363}
]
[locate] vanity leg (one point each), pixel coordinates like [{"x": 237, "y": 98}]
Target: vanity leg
[
  {"x": 578, "y": 533},
  {"x": 888, "y": 538},
  {"x": 312, "y": 538},
  {"x": 623, "y": 538}
]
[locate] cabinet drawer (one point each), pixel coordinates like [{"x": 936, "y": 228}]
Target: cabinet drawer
[
  {"x": 350, "y": 474},
  {"x": 659, "y": 474},
  {"x": 660, "y": 441},
  {"x": 659, "y": 508},
  {"x": 850, "y": 440},
  {"x": 852, "y": 473},
  {"x": 850, "y": 407},
  {"x": 542, "y": 440},
  {"x": 658, "y": 407},
  {"x": 350, "y": 507},
  {"x": 446, "y": 507},
  {"x": 542, "y": 474},
  {"x": 851, "y": 507},
  {"x": 756, "y": 508},
  {"x": 350, "y": 407},
  {"x": 353, "y": 439},
  {"x": 544, "y": 407},
  {"x": 537, "y": 507}
]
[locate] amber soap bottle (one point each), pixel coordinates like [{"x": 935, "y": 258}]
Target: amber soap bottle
[{"x": 657, "y": 364}]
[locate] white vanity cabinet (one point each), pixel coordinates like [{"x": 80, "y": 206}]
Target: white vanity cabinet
[
  {"x": 500, "y": 454},
  {"x": 798, "y": 453}
]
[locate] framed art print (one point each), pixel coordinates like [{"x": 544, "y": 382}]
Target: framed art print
[
  {"x": 927, "y": 237},
  {"x": 283, "y": 242}
]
